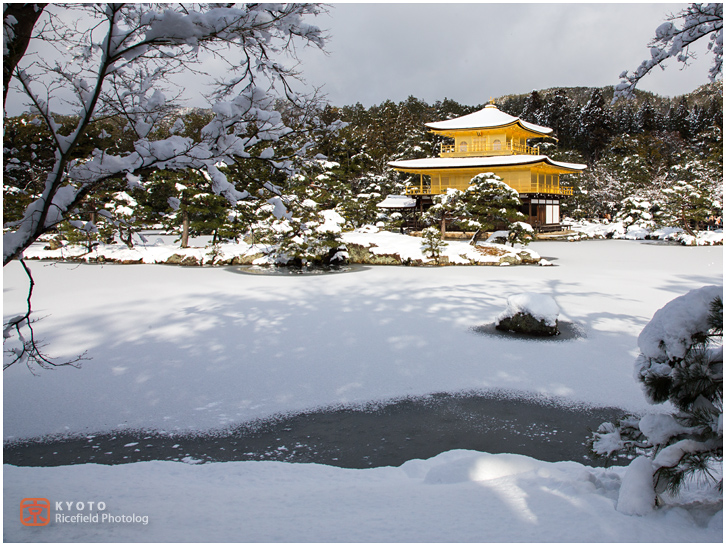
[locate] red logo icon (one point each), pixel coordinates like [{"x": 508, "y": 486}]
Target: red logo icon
[{"x": 35, "y": 512}]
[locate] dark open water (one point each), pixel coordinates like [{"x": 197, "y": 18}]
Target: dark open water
[{"x": 386, "y": 434}]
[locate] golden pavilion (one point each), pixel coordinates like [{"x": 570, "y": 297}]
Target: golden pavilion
[{"x": 490, "y": 140}]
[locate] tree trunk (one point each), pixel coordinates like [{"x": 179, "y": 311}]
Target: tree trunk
[
  {"x": 128, "y": 239},
  {"x": 443, "y": 226},
  {"x": 475, "y": 237},
  {"x": 185, "y": 229},
  {"x": 26, "y": 15},
  {"x": 686, "y": 224}
]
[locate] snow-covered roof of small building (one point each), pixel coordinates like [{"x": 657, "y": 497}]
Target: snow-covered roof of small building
[
  {"x": 397, "y": 202},
  {"x": 484, "y": 162},
  {"x": 489, "y": 117}
]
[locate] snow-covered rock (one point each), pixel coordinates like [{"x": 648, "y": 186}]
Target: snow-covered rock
[{"x": 530, "y": 313}]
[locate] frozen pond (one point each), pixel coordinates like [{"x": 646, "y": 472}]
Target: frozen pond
[{"x": 181, "y": 351}]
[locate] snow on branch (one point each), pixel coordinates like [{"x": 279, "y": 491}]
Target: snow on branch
[
  {"x": 116, "y": 60},
  {"x": 671, "y": 41}
]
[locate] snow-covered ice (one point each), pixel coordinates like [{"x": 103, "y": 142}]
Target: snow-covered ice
[{"x": 177, "y": 348}]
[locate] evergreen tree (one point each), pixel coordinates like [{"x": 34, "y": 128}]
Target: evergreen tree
[
  {"x": 520, "y": 233},
  {"x": 449, "y": 206},
  {"x": 624, "y": 118},
  {"x": 677, "y": 119},
  {"x": 533, "y": 108},
  {"x": 647, "y": 118},
  {"x": 681, "y": 362},
  {"x": 595, "y": 126},
  {"x": 433, "y": 243},
  {"x": 491, "y": 204},
  {"x": 559, "y": 114},
  {"x": 698, "y": 120},
  {"x": 689, "y": 204}
]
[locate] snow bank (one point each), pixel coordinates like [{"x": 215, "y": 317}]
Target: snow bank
[
  {"x": 457, "y": 496},
  {"x": 636, "y": 496}
]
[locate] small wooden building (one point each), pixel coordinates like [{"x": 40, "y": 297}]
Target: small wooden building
[{"x": 492, "y": 141}]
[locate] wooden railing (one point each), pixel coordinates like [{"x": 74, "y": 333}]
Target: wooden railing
[
  {"x": 475, "y": 148},
  {"x": 532, "y": 188}
]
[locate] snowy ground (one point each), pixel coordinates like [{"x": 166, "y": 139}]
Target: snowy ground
[
  {"x": 618, "y": 230},
  {"x": 180, "y": 348},
  {"x": 157, "y": 248}
]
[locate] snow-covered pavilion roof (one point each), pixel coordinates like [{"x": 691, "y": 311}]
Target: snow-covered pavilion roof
[
  {"x": 483, "y": 162},
  {"x": 489, "y": 117},
  {"x": 397, "y": 202}
]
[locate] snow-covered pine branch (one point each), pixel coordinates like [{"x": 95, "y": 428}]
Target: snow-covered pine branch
[
  {"x": 681, "y": 362},
  {"x": 671, "y": 41},
  {"x": 116, "y": 60}
]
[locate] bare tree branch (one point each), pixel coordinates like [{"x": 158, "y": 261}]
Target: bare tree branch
[{"x": 29, "y": 350}]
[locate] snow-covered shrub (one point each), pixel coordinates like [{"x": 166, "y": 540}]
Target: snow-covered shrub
[
  {"x": 635, "y": 211},
  {"x": 520, "y": 232},
  {"x": 447, "y": 207},
  {"x": 491, "y": 203},
  {"x": 314, "y": 238},
  {"x": 87, "y": 234},
  {"x": 432, "y": 244},
  {"x": 681, "y": 361}
]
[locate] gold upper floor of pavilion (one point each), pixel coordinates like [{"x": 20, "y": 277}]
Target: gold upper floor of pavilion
[
  {"x": 488, "y": 140},
  {"x": 474, "y": 147}
]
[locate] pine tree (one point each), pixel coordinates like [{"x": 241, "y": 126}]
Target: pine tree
[
  {"x": 624, "y": 118},
  {"x": 491, "y": 204},
  {"x": 595, "y": 126},
  {"x": 681, "y": 362},
  {"x": 433, "y": 243},
  {"x": 647, "y": 119},
  {"x": 520, "y": 233},
  {"x": 558, "y": 114},
  {"x": 533, "y": 108},
  {"x": 447, "y": 207},
  {"x": 688, "y": 203},
  {"x": 677, "y": 119}
]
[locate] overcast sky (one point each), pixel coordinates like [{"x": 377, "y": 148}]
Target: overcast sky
[{"x": 473, "y": 51}]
